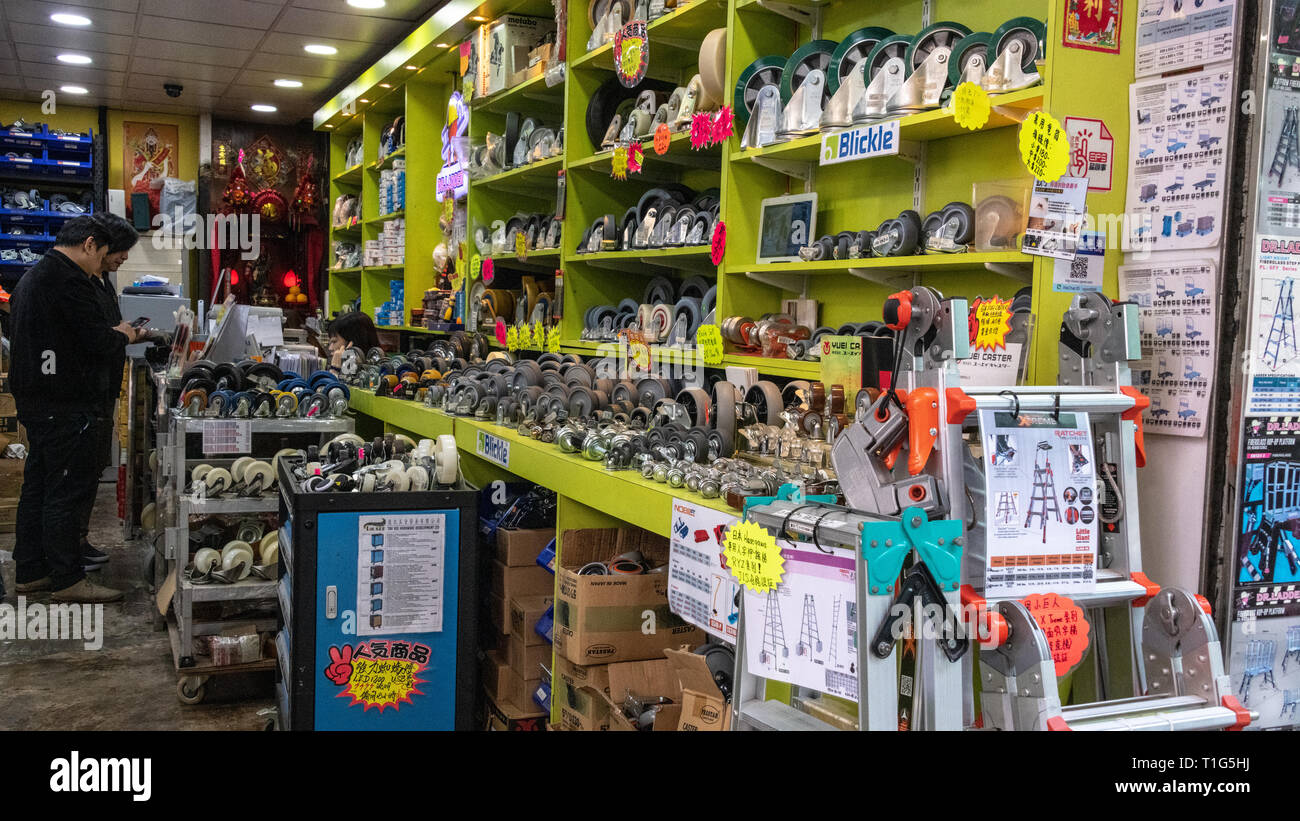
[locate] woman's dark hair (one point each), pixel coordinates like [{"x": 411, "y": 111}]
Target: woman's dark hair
[
  {"x": 123, "y": 235},
  {"x": 75, "y": 231},
  {"x": 355, "y": 328}
]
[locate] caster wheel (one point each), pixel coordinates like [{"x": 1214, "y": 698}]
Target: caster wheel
[
  {"x": 191, "y": 690},
  {"x": 814, "y": 56},
  {"x": 1029, "y": 31},
  {"x": 890, "y": 47},
  {"x": 785, "y": 652},
  {"x": 852, "y": 50},
  {"x": 802, "y": 649},
  {"x": 819, "y": 647},
  {"x": 939, "y": 35},
  {"x": 764, "y": 71},
  {"x": 763, "y": 657},
  {"x": 979, "y": 45}
]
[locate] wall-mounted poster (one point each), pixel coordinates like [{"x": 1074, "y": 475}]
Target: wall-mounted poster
[
  {"x": 1093, "y": 25},
  {"x": 150, "y": 154}
]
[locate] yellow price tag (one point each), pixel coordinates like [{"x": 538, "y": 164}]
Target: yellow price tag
[
  {"x": 708, "y": 339},
  {"x": 1044, "y": 146},
  {"x": 553, "y": 340},
  {"x": 753, "y": 557},
  {"x": 475, "y": 267},
  {"x": 521, "y": 246},
  {"x": 993, "y": 320},
  {"x": 970, "y": 106},
  {"x": 618, "y": 164},
  {"x": 512, "y": 338},
  {"x": 539, "y": 336}
]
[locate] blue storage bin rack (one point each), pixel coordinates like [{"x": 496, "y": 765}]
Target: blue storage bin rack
[{"x": 52, "y": 155}]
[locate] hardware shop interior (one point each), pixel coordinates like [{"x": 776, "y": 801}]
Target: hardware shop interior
[{"x": 650, "y": 365}]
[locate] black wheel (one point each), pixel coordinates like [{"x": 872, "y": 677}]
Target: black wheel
[
  {"x": 934, "y": 36},
  {"x": 885, "y": 50},
  {"x": 964, "y": 217},
  {"x": 850, "y": 53},
  {"x": 1029, "y": 31},
  {"x": 807, "y": 58},
  {"x": 762, "y": 72},
  {"x": 973, "y": 46}
]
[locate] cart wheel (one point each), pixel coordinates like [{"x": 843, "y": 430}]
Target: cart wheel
[
  {"x": 191, "y": 690},
  {"x": 800, "y": 649},
  {"x": 819, "y": 647},
  {"x": 763, "y": 656}
]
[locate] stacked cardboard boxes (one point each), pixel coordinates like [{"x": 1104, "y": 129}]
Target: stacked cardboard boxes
[
  {"x": 11, "y": 470},
  {"x": 520, "y": 594}
]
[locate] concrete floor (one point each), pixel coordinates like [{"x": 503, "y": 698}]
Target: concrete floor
[{"x": 130, "y": 682}]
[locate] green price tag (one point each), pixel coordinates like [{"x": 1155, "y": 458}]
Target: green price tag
[
  {"x": 709, "y": 341},
  {"x": 512, "y": 338},
  {"x": 475, "y": 267}
]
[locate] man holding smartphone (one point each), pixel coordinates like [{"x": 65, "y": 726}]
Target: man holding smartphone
[
  {"x": 123, "y": 238},
  {"x": 62, "y": 342}
]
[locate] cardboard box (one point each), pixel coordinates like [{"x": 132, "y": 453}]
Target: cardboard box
[
  {"x": 509, "y": 40},
  {"x": 602, "y": 619},
  {"x": 581, "y": 708},
  {"x": 510, "y": 717},
  {"x": 520, "y": 688},
  {"x": 704, "y": 708},
  {"x": 524, "y": 613},
  {"x": 645, "y": 680},
  {"x": 517, "y": 582},
  {"x": 11, "y": 478},
  {"x": 525, "y": 660},
  {"x": 496, "y": 676},
  {"x": 592, "y": 676},
  {"x": 519, "y": 548},
  {"x": 499, "y": 613}
]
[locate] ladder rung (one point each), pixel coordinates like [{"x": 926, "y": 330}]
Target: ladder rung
[
  {"x": 1128, "y": 706},
  {"x": 1120, "y": 591},
  {"x": 1197, "y": 718}
]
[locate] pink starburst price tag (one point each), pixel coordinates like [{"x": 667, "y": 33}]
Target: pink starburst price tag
[
  {"x": 724, "y": 124},
  {"x": 701, "y": 131},
  {"x": 719, "y": 243},
  {"x": 635, "y": 158}
]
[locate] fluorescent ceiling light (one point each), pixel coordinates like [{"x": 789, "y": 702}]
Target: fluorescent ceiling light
[
  {"x": 289, "y": 83},
  {"x": 263, "y": 107},
  {"x": 316, "y": 48},
  {"x": 70, "y": 19},
  {"x": 73, "y": 90},
  {"x": 75, "y": 59}
]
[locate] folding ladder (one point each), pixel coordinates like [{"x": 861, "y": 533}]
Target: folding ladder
[
  {"x": 1287, "y": 152},
  {"x": 1043, "y": 494},
  {"x": 1281, "y": 334}
]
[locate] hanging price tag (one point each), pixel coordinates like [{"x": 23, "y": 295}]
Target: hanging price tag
[
  {"x": 618, "y": 163},
  {"x": 970, "y": 106},
  {"x": 663, "y": 139},
  {"x": 1063, "y": 625},
  {"x": 512, "y": 338},
  {"x": 501, "y": 334},
  {"x": 709, "y": 341},
  {"x": 553, "y": 339},
  {"x": 521, "y": 246},
  {"x": 1044, "y": 147},
  {"x": 718, "y": 243},
  {"x": 753, "y": 557},
  {"x": 476, "y": 267},
  {"x": 635, "y": 158},
  {"x": 701, "y": 131},
  {"x": 489, "y": 271},
  {"x": 631, "y": 53},
  {"x": 990, "y": 322},
  {"x": 724, "y": 125},
  {"x": 539, "y": 336}
]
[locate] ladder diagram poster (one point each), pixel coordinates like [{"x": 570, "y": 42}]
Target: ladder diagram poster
[
  {"x": 700, "y": 588},
  {"x": 400, "y": 569},
  {"x": 1178, "y": 156},
  {"x": 1273, "y": 378},
  {"x": 1173, "y": 36},
  {"x": 1279, "y": 179},
  {"x": 1041, "y": 505},
  {"x": 1264, "y": 665},
  {"x": 805, "y": 631},
  {"x": 1269, "y": 531},
  {"x": 1178, "y": 351}
]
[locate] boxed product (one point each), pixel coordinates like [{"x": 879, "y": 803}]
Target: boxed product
[
  {"x": 514, "y": 582},
  {"x": 527, "y": 661},
  {"x": 519, "y": 547},
  {"x": 703, "y": 705},
  {"x": 510, "y": 38},
  {"x": 582, "y": 692},
  {"x": 520, "y": 688},
  {"x": 524, "y": 614},
  {"x": 607, "y": 618},
  {"x": 499, "y": 613},
  {"x": 644, "y": 683},
  {"x": 496, "y": 676},
  {"x": 510, "y": 717}
]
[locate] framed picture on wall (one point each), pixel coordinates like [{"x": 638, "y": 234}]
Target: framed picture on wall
[{"x": 150, "y": 152}]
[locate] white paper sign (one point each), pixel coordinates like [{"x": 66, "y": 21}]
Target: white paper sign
[
  {"x": 700, "y": 589},
  {"x": 227, "y": 436},
  {"x": 1174, "y": 36},
  {"x": 400, "y": 570},
  {"x": 1056, "y": 217},
  {"x": 1041, "y": 505},
  {"x": 1085, "y": 271},
  {"x": 1273, "y": 383},
  {"x": 805, "y": 631},
  {"x": 1092, "y": 152},
  {"x": 987, "y": 368}
]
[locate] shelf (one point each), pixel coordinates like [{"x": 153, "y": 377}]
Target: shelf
[
  {"x": 512, "y": 99},
  {"x": 257, "y": 504},
  {"x": 674, "y": 39},
  {"x": 380, "y": 165},
  {"x": 1008, "y": 110},
  {"x": 354, "y": 228},
  {"x": 402, "y": 413},
  {"x": 540, "y": 174},
  {"x": 547, "y": 259},
  {"x": 690, "y": 258},
  {"x": 386, "y": 217},
  {"x": 680, "y": 155},
  {"x": 885, "y": 270},
  {"x": 382, "y": 269},
  {"x": 350, "y": 177},
  {"x": 774, "y": 367},
  {"x": 251, "y": 588},
  {"x": 345, "y": 271}
]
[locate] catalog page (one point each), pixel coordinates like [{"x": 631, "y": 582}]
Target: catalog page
[
  {"x": 700, "y": 589},
  {"x": 1172, "y": 36},
  {"x": 1273, "y": 381},
  {"x": 400, "y": 571},
  {"x": 1041, "y": 505}
]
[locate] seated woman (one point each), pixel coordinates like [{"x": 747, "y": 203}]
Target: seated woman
[{"x": 353, "y": 329}]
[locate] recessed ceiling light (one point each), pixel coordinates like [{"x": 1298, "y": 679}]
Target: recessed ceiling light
[
  {"x": 363, "y": 100},
  {"x": 289, "y": 83},
  {"x": 327, "y": 125},
  {"x": 412, "y": 68},
  {"x": 75, "y": 59},
  {"x": 442, "y": 45},
  {"x": 70, "y": 19},
  {"x": 366, "y": 4},
  {"x": 73, "y": 90},
  {"x": 478, "y": 19},
  {"x": 316, "y": 48},
  {"x": 385, "y": 85},
  {"x": 263, "y": 107}
]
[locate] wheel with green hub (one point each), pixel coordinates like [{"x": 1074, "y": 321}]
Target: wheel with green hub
[
  {"x": 850, "y": 53},
  {"x": 1029, "y": 31},
  {"x": 807, "y": 58},
  {"x": 934, "y": 36},
  {"x": 887, "y": 49},
  {"x": 762, "y": 72},
  {"x": 978, "y": 45}
]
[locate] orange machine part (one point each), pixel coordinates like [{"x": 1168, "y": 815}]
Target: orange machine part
[
  {"x": 1134, "y": 414},
  {"x": 922, "y": 427}
]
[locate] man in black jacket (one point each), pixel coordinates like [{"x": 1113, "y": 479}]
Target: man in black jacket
[
  {"x": 60, "y": 340},
  {"x": 124, "y": 238}
]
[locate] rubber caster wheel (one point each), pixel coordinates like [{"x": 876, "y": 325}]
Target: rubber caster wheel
[
  {"x": 191, "y": 690},
  {"x": 762, "y": 72}
]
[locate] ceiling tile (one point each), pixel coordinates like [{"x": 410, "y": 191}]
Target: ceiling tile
[
  {"x": 413, "y": 11},
  {"x": 66, "y": 39},
  {"x": 150, "y": 82},
  {"x": 189, "y": 31},
  {"x": 104, "y": 21},
  {"x": 146, "y": 50},
  {"x": 305, "y": 66},
  {"x": 291, "y": 44},
  {"x": 181, "y": 71},
  {"x": 234, "y": 12},
  {"x": 129, "y": 6},
  {"x": 310, "y": 84},
  {"x": 341, "y": 26},
  {"x": 29, "y": 53}
]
